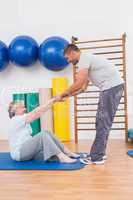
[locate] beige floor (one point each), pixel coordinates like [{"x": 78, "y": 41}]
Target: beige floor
[{"x": 113, "y": 181}]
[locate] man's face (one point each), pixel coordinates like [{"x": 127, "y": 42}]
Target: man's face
[{"x": 72, "y": 57}]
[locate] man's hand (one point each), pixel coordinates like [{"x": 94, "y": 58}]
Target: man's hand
[{"x": 77, "y": 87}]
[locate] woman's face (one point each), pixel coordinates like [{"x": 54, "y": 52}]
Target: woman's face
[{"x": 19, "y": 108}]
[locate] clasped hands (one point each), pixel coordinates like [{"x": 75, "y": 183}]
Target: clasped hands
[{"x": 58, "y": 98}]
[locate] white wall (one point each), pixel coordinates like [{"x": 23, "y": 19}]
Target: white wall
[{"x": 40, "y": 19}]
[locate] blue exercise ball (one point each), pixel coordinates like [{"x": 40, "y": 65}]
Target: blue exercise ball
[
  {"x": 3, "y": 56},
  {"x": 23, "y": 51},
  {"x": 51, "y": 53}
]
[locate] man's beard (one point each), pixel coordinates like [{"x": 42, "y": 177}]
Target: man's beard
[{"x": 74, "y": 62}]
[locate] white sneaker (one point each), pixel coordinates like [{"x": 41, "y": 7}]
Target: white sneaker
[
  {"x": 87, "y": 161},
  {"x": 104, "y": 157},
  {"x": 98, "y": 162}
]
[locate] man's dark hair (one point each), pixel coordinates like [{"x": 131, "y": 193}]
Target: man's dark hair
[{"x": 70, "y": 47}]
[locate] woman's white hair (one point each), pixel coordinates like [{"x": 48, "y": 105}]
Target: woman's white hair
[{"x": 11, "y": 111}]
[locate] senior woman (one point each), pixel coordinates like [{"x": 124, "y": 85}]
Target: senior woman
[{"x": 43, "y": 146}]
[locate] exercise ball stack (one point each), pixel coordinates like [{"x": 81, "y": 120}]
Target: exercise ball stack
[
  {"x": 51, "y": 53},
  {"x": 3, "y": 56},
  {"x": 23, "y": 51}
]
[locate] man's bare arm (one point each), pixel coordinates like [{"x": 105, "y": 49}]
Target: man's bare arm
[{"x": 77, "y": 86}]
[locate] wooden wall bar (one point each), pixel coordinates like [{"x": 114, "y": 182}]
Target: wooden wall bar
[{"x": 85, "y": 104}]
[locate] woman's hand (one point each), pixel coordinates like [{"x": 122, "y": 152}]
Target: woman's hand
[{"x": 59, "y": 98}]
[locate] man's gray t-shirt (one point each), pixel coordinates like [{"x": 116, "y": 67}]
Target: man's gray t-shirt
[
  {"x": 102, "y": 73},
  {"x": 19, "y": 132}
]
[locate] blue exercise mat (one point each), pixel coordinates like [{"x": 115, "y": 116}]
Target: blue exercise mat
[
  {"x": 6, "y": 163},
  {"x": 130, "y": 153}
]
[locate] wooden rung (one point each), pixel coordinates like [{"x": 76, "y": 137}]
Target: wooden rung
[
  {"x": 120, "y": 64},
  {"x": 85, "y": 123},
  {"x": 110, "y": 52},
  {"x": 116, "y": 58},
  {"x": 95, "y": 110},
  {"x": 101, "y": 47},
  {"x": 90, "y": 97},
  {"x": 92, "y": 104},
  {"x": 87, "y": 104},
  {"x": 104, "y": 40},
  {"x": 86, "y": 116},
  {"x": 114, "y": 50},
  {"x": 115, "y": 122},
  {"x": 119, "y": 122},
  {"x": 89, "y": 129},
  {"x": 86, "y": 110},
  {"x": 89, "y": 116},
  {"x": 91, "y": 91}
]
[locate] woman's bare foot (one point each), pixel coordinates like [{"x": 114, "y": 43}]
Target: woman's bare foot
[
  {"x": 71, "y": 154},
  {"x": 65, "y": 159}
]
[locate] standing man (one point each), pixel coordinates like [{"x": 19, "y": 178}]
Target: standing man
[{"x": 102, "y": 74}]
